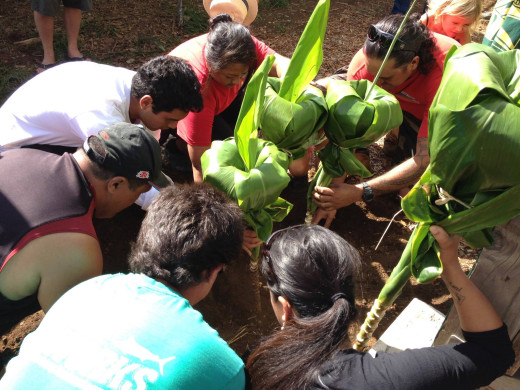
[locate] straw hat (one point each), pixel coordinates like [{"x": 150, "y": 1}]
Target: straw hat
[{"x": 241, "y": 11}]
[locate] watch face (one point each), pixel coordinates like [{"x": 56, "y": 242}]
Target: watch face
[{"x": 368, "y": 194}]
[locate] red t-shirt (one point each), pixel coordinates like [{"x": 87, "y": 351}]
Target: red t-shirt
[
  {"x": 196, "y": 128},
  {"x": 416, "y": 94}
]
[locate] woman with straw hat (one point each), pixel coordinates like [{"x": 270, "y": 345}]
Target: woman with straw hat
[{"x": 223, "y": 60}]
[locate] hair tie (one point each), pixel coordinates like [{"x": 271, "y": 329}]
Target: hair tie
[{"x": 337, "y": 296}]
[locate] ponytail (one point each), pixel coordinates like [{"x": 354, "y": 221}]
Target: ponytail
[
  {"x": 291, "y": 358},
  {"x": 313, "y": 269}
]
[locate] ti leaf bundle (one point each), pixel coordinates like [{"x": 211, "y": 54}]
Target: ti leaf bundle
[
  {"x": 293, "y": 110},
  {"x": 472, "y": 183},
  {"x": 250, "y": 170},
  {"x": 359, "y": 114}
]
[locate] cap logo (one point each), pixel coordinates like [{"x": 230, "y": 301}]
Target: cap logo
[
  {"x": 143, "y": 175},
  {"x": 103, "y": 134}
]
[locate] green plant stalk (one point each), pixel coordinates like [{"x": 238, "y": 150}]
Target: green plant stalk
[
  {"x": 251, "y": 171},
  {"x": 401, "y": 273},
  {"x": 320, "y": 179},
  {"x": 473, "y": 146},
  {"x": 356, "y": 119},
  {"x": 391, "y": 290}
]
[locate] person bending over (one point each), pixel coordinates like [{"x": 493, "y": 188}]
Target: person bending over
[
  {"x": 412, "y": 74},
  {"x": 140, "y": 330},
  {"x": 66, "y": 104},
  {"x": 311, "y": 271},
  {"x": 47, "y": 201},
  {"x": 224, "y": 60}
]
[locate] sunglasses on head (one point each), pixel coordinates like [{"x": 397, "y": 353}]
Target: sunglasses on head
[
  {"x": 383, "y": 38},
  {"x": 267, "y": 248}
]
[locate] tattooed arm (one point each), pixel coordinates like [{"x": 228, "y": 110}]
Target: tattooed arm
[
  {"x": 476, "y": 313},
  {"x": 405, "y": 174}
]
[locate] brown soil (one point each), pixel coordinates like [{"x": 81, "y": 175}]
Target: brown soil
[{"x": 127, "y": 33}]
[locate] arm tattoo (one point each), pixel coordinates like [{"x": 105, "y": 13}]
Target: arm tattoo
[{"x": 457, "y": 293}]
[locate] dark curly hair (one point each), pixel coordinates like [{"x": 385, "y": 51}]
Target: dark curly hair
[
  {"x": 416, "y": 36},
  {"x": 170, "y": 82},
  {"x": 229, "y": 43},
  {"x": 188, "y": 229}
]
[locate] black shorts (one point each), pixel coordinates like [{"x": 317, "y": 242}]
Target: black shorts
[{"x": 52, "y": 7}]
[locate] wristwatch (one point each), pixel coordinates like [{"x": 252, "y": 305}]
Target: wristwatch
[{"x": 368, "y": 194}]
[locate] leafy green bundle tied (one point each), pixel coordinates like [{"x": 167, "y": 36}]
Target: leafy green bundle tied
[
  {"x": 250, "y": 170},
  {"x": 472, "y": 182},
  {"x": 359, "y": 114},
  {"x": 293, "y": 110}
]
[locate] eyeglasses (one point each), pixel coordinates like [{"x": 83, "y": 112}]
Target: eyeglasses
[{"x": 384, "y": 39}]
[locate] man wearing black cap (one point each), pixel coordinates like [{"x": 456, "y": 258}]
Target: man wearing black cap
[{"x": 47, "y": 239}]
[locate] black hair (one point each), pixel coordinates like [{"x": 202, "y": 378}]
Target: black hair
[
  {"x": 170, "y": 82},
  {"x": 229, "y": 43},
  {"x": 102, "y": 173},
  {"x": 416, "y": 36},
  {"x": 308, "y": 265},
  {"x": 188, "y": 229}
]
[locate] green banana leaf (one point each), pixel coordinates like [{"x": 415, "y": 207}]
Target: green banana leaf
[
  {"x": 293, "y": 126},
  {"x": 472, "y": 183},
  {"x": 293, "y": 110},
  {"x": 250, "y": 170},
  {"x": 359, "y": 114}
]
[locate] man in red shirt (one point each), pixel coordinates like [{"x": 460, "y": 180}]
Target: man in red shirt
[{"x": 412, "y": 74}]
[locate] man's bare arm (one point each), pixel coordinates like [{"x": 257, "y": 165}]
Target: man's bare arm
[{"x": 405, "y": 174}]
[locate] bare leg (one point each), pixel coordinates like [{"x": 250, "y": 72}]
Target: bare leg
[
  {"x": 72, "y": 17},
  {"x": 45, "y": 27}
]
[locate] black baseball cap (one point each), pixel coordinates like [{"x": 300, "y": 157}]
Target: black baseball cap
[{"x": 128, "y": 150}]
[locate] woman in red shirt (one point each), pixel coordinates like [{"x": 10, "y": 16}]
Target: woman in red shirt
[{"x": 223, "y": 60}]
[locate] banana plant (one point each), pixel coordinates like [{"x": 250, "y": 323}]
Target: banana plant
[
  {"x": 472, "y": 182},
  {"x": 250, "y": 170},
  {"x": 293, "y": 110},
  {"x": 359, "y": 114}
]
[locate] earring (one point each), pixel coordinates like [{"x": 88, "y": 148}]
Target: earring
[{"x": 283, "y": 326}]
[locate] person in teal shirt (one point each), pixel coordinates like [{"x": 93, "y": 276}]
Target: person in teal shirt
[{"x": 140, "y": 330}]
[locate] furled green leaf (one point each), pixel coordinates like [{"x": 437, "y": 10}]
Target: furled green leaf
[
  {"x": 358, "y": 116},
  {"x": 308, "y": 55},
  {"x": 293, "y": 110},
  {"x": 248, "y": 117},
  {"x": 251, "y": 171},
  {"x": 356, "y": 120},
  {"x": 293, "y": 126},
  {"x": 473, "y": 145}
]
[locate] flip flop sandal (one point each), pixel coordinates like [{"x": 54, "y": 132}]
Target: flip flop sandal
[
  {"x": 74, "y": 59},
  {"x": 43, "y": 67}
]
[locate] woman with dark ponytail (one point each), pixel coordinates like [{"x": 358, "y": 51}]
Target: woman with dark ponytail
[
  {"x": 412, "y": 74},
  {"x": 310, "y": 272},
  {"x": 223, "y": 60}
]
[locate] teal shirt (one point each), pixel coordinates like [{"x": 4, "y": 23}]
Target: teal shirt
[{"x": 124, "y": 332}]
